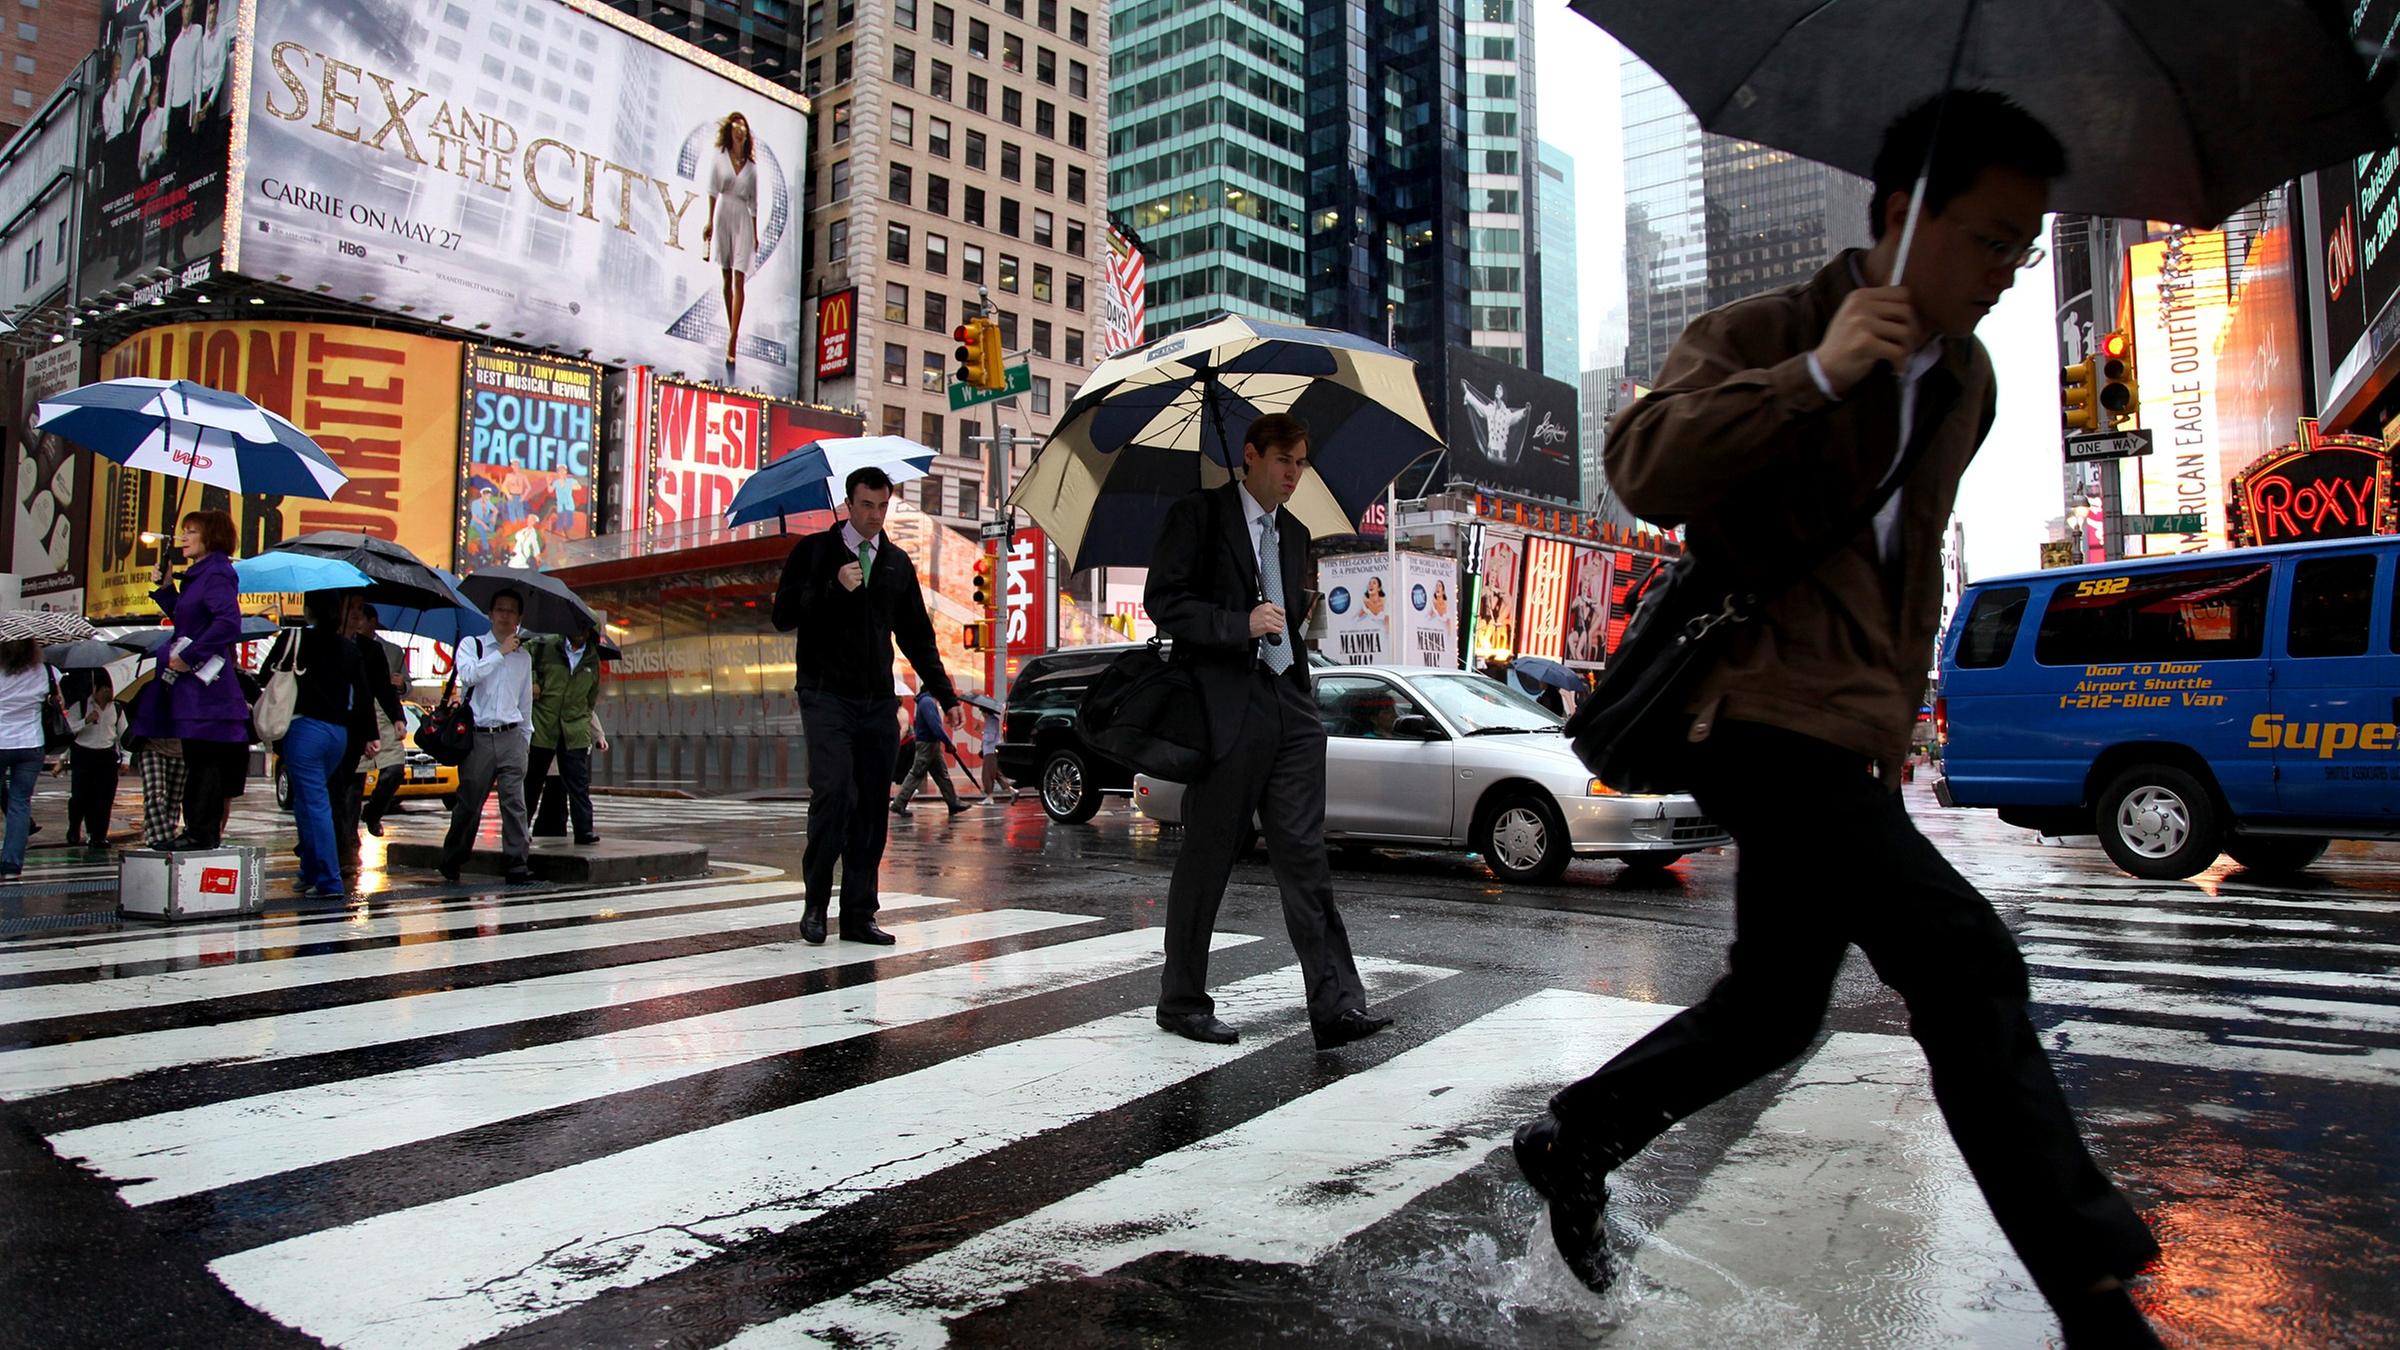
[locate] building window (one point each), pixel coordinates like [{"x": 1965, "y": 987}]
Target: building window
[
  {"x": 974, "y": 211},
  {"x": 979, "y": 39},
  {"x": 1045, "y": 65},
  {"x": 904, "y": 13},
  {"x": 937, "y": 137},
  {"x": 895, "y": 302},
  {"x": 845, "y": 13},
  {"x": 1008, "y": 274},
  {"x": 1014, "y": 9},
  {"x": 977, "y": 155},
  {"x": 1008, "y": 216},
  {"x": 1074, "y": 346},
  {"x": 1045, "y": 118},
  {"x": 1008, "y": 329},
  {"x": 970, "y": 264},
  {"x": 1074, "y": 292},
  {"x": 1079, "y": 27},
  {"x": 901, "y": 182},
  {"x": 968, "y": 489},
  {"x": 1041, "y": 282},
  {"x": 937, "y": 305},
  {"x": 1079, "y": 131},
  {"x": 816, "y": 22},
  {"x": 843, "y": 56},
  {"x": 895, "y": 363},
  {"x": 1041, "y": 338},
  {"x": 933, "y": 372},
  {"x": 929, "y": 434},
  {"x": 937, "y": 194},
  {"x": 895, "y": 420},
  {"x": 838, "y": 181},
  {"x": 1045, "y": 174},
  {"x": 1075, "y": 184},
  {"x": 1041, "y": 395},
  {"x": 1079, "y": 79},
  {"x": 895, "y": 242},
  {"x": 970, "y": 435},
  {"x": 841, "y": 124},
  {"x": 1012, "y": 53},
  {"x": 929, "y": 495},
  {"x": 938, "y": 84},
  {"x": 812, "y": 76},
  {"x": 1012, "y": 161},
  {"x": 937, "y": 255},
  {"x": 979, "y": 94},
  {"x": 904, "y": 125},
  {"x": 904, "y": 67},
  {"x": 1075, "y": 237},
  {"x": 1041, "y": 229},
  {"x": 945, "y": 25},
  {"x": 837, "y": 244},
  {"x": 1012, "y": 107}
]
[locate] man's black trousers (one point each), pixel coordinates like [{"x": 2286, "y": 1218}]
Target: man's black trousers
[
  {"x": 851, "y": 745},
  {"x": 1275, "y": 772},
  {"x": 1828, "y": 859}
]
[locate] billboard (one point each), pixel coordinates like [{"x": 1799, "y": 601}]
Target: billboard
[
  {"x": 154, "y": 188},
  {"x": 1496, "y": 596},
  {"x": 1542, "y": 626},
  {"x": 1026, "y": 595},
  {"x": 1512, "y": 430},
  {"x": 2177, "y": 287},
  {"x": 790, "y": 426},
  {"x": 48, "y": 556},
  {"x": 1587, "y": 609},
  {"x": 549, "y": 170},
  {"x": 2321, "y": 487},
  {"x": 1428, "y": 588},
  {"x": 837, "y": 334},
  {"x": 1359, "y": 610},
  {"x": 529, "y": 456},
  {"x": 384, "y": 405},
  {"x": 2262, "y": 392},
  {"x": 703, "y": 445},
  {"x": 2354, "y": 247}
]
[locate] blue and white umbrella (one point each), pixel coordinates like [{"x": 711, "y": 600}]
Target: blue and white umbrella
[
  {"x": 809, "y": 478},
  {"x": 1154, "y": 423},
  {"x": 192, "y": 432},
  {"x": 274, "y": 573}
]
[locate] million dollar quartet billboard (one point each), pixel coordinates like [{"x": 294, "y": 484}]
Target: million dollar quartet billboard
[{"x": 550, "y": 173}]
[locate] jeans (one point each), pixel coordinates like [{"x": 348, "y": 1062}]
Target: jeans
[
  {"x": 311, "y": 752},
  {"x": 24, "y": 769}
]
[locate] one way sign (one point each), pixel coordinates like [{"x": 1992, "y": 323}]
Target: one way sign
[{"x": 2108, "y": 445}]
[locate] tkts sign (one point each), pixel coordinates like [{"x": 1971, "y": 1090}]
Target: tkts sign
[{"x": 2321, "y": 487}]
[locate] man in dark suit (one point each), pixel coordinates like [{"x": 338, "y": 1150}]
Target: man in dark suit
[
  {"x": 851, "y": 593},
  {"x": 1228, "y": 559}
]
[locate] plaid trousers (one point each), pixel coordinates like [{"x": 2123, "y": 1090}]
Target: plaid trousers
[{"x": 162, "y": 796}]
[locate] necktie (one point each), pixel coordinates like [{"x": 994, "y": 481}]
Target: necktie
[
  {"x": 866, "y": 561},
  {"x": 1277, "y": 655}
]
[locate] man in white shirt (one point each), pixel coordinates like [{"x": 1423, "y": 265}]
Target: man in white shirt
[
  {"x": 183, "y": 67},
  {"x": 214, "y": 55},
  {"x": 496, "y": 674}
]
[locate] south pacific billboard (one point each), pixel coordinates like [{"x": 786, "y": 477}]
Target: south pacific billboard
[{"x": 528, "y": 457}]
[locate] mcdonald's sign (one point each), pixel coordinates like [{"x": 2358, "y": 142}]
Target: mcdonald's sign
[{"x": 837, "y": 329}]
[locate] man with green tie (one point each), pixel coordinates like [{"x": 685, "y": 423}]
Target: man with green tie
[{"x": 850, "y": 593}]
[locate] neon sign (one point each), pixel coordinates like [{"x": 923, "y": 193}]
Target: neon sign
[{"x": 2319, "y": 487}]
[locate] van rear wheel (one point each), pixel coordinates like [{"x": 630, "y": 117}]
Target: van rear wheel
[
  {"x": 2275, "y": 854},
  {"x": 2159, "y": 822}
]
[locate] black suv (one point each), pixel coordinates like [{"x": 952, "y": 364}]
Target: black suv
[{"x": 1040, "y": 743}]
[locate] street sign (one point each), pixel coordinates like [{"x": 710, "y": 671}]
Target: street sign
[
  {"x": 1020, "y": 381},
  {"x": 995, "y": 529},
  {"x": 2108, "y": 445},
  {"x": 2191, "y": 524}
]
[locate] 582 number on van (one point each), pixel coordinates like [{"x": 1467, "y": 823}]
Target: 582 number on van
[{"x": 2103, "y": 586}]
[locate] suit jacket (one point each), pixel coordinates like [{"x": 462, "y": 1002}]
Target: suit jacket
[
  {"x": 1203, "y": 585},
  {"x": 845, "y": 637}
]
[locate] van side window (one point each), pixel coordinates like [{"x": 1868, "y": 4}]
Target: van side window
[
  {"x": 2200, "y": 614},
  {"x": 1991, "y": 628},
  {"x": 2332, "y": 601}
]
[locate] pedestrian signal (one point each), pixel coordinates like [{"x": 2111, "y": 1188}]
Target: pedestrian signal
[
  {"x": 2077, "y": 408},
  {"x": 974, "y": 637},
  {"x": 2120, "y": 394}
]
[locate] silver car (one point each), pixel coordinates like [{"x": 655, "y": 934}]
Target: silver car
[{"x": 1444, "y": 758}]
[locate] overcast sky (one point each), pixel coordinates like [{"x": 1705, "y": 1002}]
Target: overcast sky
[{"x": 2013, "y": 486}]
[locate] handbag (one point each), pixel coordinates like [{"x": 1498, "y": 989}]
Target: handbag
[
  {"x": 1147, "y": 712},
  {"x": 448, "y": 732},
  {"x": 271, "y": 716},
  {"x": 56, "y": 734},
  {"x": 1632, "y": 731}
]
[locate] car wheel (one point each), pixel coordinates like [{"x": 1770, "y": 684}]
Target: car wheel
[
  {"x": 283, "y": 788},
  {"x": 1068, "y": 796},
  {"x": 2158, "y": 822},
  {"x": 1524, "y": 839},
  {"x": 2275, "y": 854}
]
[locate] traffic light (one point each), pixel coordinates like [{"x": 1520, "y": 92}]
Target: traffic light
[
  {"x": 995, "y": 361},
  {"x": 2120, "y": 394},
  {"x": 2077, "y": 408},
  {"x": 981, "y": 364},
  {"x": 983, "y": 583}
]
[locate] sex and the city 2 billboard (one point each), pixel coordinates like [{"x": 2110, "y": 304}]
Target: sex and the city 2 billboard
[{"x": 551, "y": 173}]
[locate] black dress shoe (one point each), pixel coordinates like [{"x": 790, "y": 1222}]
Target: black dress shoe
[
  {"x": 374, "y": 827},
  {"x": 449, "y": 874},
  {"x": 1347, "y": 1027},
  {"x": 519, "y": 876},
  {"x": 587, "y": 839},
  {"x": 812, "y": 925},
  {"x": 1199, "y": 1027},
  {"x": 866, "y": 932},
  {"x": 1574, "y": 1182}
]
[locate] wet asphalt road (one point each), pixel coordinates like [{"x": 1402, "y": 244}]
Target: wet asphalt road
[{"x": 652, "y": 1117}]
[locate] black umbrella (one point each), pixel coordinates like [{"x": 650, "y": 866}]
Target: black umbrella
[
  {"x": 254, "y": 626},
  {"x": 2175, "y": 110},
  {"x": 83, "y": 654},
  {"x": 396, "y": 576},
  {"x": 549, "y": 606}
]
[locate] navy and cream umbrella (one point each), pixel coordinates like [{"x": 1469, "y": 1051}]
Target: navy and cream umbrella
[
  {"x": 1154, "y": 423},
  {"x": 194, "y": 433}
]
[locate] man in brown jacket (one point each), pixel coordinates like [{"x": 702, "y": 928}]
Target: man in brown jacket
[{"x": 1776, "y": 418}]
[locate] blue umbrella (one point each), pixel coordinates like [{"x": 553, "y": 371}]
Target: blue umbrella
[
  {"x": 445, "y": 624},
  {"x": 192, "y": 432},
  {"x": 279, "y": 573},
  {"x": 1543, "y": 670},
  {"x": 805, "y": 479}
]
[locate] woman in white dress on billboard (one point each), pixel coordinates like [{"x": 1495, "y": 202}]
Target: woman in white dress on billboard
[{"x": 733, "y": 220}]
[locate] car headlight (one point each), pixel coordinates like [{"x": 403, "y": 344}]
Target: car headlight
[{"x": 1596, "y": 788}]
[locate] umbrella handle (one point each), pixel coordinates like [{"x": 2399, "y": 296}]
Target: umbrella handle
[{"x": 1916, "y": 198}]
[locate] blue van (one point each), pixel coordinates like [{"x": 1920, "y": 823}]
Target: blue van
[{"x": 2241, "y": 701}]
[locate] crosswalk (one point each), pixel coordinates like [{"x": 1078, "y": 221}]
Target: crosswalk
[
  {"x": 577, "y": 1117},
  {"x": 255, "y": 812}
]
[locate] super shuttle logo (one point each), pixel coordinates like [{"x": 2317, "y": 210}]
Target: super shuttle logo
[{"x": 2269, "y": 731}]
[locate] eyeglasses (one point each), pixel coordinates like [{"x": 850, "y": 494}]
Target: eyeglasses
[{"x": 2001, "y": 253}]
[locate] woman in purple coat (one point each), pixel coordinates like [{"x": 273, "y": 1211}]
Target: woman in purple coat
[{"x": 199, "y": 701}]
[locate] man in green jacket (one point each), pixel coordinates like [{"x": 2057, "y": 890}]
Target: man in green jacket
[{"x": 566, "y": 727}]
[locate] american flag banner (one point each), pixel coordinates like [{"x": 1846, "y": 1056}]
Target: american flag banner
[{"x": 1125, "y": 298}]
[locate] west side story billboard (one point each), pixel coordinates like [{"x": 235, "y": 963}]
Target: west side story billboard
[
  {"x": 549, "y": 169},
  {"x": 1511, "y": 430}
]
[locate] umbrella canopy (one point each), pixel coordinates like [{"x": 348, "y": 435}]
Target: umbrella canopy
[
  {"x": 1542, "y": 670},
  {"x": 42, "y": 625},
  {"x": 1157, "y": 422},
  {"x": 273, "y": 573},
  {"x": 808, "y": 478},
  {"x": 191, "y": 431},
  {"x": 444, "y": 623},
  {"x": 985, "y": 702},
  {"x": 549, "y": 606},
  {"x": 254, "y": 626},
  {"x": 395, "y": 576},
  {"x": 84, "y": 654},
  {"x": 2180, "y": 112}
]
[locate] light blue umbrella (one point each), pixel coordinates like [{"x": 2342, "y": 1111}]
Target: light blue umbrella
[
  {"x": 194, "y": 433},
  {"x": 280, "y": 573},
  {"x": 805, "y": 480},
  {"x": 445, "y": 624}
]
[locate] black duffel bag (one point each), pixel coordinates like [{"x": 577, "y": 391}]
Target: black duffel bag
[
  {"x": 1146, "y": 711},
  {"x": 448, "y": 731}
]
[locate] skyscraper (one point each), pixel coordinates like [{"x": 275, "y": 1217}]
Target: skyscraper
[
  {"x": 1774, "y": 218},
  {"x": 1666, "y": 220},
  {"x": 1207, "y": 155},
  {"x": 1562, "y": 350}
]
